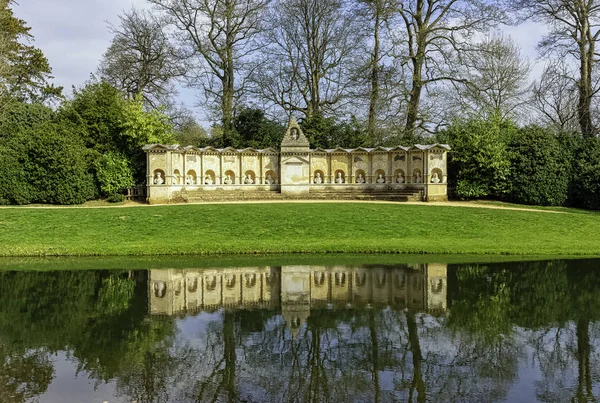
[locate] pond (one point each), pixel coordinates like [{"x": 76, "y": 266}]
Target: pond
[{"x": 501, "y": 332}]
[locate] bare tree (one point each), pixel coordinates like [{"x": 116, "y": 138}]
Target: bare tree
[
  {"x": 219, "y": 33},
  {"x": 555, "y": 96},
  {"x": 376, "y": 15},
  {"x": 140, "y": 60},
  {"x": 435, "y": 33},
  {"x": 497, "y": 80},
  {"x": 574, "y": 31},
  {"x": 308, "y": 49}
]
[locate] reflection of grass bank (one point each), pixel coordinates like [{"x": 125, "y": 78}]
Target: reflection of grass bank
[
  {"x": 273, "y": 259},
  {"x": 295, "y": 228}
]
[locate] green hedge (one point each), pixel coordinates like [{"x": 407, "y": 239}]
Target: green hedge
[
  {"x": 586, "y": 167},
  {"x": 41, "y": 160},
  {"x": 539, "y": 168},
  {"x": 529, "y": 165}
]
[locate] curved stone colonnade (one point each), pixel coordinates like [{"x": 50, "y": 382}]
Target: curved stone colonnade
[
  {"x": 296, "y": 169},
  {"x": 298, "y": 289}
]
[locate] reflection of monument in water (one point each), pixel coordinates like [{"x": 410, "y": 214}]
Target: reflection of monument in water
[{"x": 298, "y": 289}]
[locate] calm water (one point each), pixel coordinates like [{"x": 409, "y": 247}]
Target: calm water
[{"x": 519, "y": 332}]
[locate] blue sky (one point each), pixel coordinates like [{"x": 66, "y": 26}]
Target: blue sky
[{"x": 73, "y": 34}]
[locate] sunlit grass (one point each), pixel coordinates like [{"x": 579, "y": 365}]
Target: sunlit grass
[{"x": 294, "y": 228}]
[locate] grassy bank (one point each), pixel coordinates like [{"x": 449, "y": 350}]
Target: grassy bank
[{"x": 294, "y": 228}]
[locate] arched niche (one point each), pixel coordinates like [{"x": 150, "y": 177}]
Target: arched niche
[
  {"x": 340, "y": 279},
  {"x": 380, "y": 177},
  {"x": 177, "y": 287},
  {"x": 176, "y": 177},
  {"x": 250, "y": 280},
  {"x": 400, "y": 281},
  {"x": 209, "y": 177},
  {"x": 417, "y": 176},
  {"x": 229, "y": 178},
  {"x": 249, "y": 177},
  {"x": 339, "y": 176},
  {"x": 230, "y": 280},
  {"x": 270, "y": 177},
  {"x": 360, "y": 279},
  {"x": 158, "y": 177},
  {"x": 210, "y": 282},
  {"x": 318, "y": 177},
  {"x": 191, "y": 177},
  {"x": 437, "y": 176},
  {"x": 192, "y": 284},
  {"x": 436, "y": 285},
  {"x": 160, "y": 289},
  {"x": 319, "y": 278},
  {"x": 399, "y": 176},
  {"x": 360, "y": 177}
]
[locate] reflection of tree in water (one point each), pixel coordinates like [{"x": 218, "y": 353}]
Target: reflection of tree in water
[
  {"x": 93, "y": 316},
  {"x": 24, "y": 375},
  {"x": 499, "y": 316}
]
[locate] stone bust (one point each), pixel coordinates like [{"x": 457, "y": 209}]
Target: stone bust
[
  {"x": 294, "y": 133},
  {"x": 248, "y": 180},
  {"x": 269, "y": 180},
  {"x": 158, "y": 179},
  {"x": 380, "y": 179},
  {"x": 228, "y": 180},
  {"x": 208, "y": 180},
  {"x": 189, "y": 180},
  {"x": 339, "y": 178},
  {"x": 318, "y": 180},
  {"x": 417, "y": 177},
  {"x": 435, "y": 178},
  {"x": 400, "y": 178},
  {"x": 360, "y": 178}
]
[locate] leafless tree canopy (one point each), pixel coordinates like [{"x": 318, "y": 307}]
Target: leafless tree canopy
[
  {"x": 219, "y": 35},
  {"x": 497, "y": 80},
  {"x": 141, "y": 60},
  {"x": 401, "y": 67},
  {"x": 436, "y": 32},
  {"x": 305, "y": 64},
  {"x": 574, "y": 31}
]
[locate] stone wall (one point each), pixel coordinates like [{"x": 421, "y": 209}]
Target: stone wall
[
  {"x": 293, "y": 288},
  {"x": 296, "y": 169}
]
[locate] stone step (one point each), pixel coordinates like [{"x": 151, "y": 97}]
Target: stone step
[{"x": 190, "y": 197}]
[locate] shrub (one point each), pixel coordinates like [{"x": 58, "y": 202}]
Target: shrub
[
  {"x": 113, "y": 173},
  {"x": 41, "y": 160},
  {"x": 479, "y": 163},
  {"x": 586, "y": 167},
  {"x": 56, "y": 166},
  {"x": 539, "y": 168},
  {"x": 116, "y": 198},
  {"x": 15, "y": 188}
]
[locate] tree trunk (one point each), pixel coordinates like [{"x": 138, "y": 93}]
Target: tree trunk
[
  {"x": 229, "y": 355},
  {"x": 374, "y": 76},
  {"x": 584, "y": 390},
  {"x": 415, "y": 348},
  {"x": 586, "y": 53},
  {"x": 412, "y": 110},
  {"x": 374, "y": 355}
]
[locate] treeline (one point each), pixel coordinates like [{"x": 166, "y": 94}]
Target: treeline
[
  {"x": 354, "y": 73},
  {"x": 90, "y": 147},
  {"x": 528, "y": 165}
]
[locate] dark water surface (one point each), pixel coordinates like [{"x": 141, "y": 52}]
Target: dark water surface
[{"x": 505, "y": 332}]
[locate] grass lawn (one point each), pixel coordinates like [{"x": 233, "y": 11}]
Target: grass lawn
[{"x": 294, "y": 228}]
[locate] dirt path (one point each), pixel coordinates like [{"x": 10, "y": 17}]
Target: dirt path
[{"x": 130, "y": 204}]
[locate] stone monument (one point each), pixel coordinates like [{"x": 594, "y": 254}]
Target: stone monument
[{"x": 295, "y": 161}]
